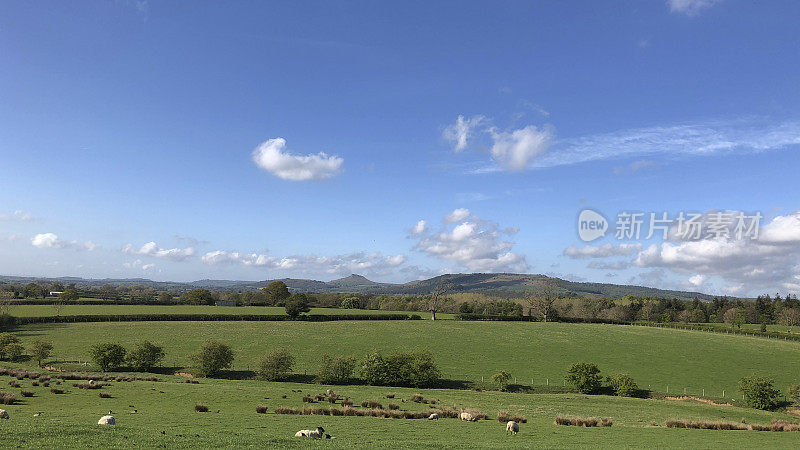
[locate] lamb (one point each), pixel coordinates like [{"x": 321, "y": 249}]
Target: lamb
[
  {"x": 4, "y": 414},
  {"x": 107, "y": 420},
  {"x": 512, "y": 427},
  {"x": 319, "y": 433},
  {"x": 466, "y": 417},
  {"x": 433, "y": 416}
]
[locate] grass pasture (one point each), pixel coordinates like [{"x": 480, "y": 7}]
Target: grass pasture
[
  {"x": 70, "y": 419},
  {"x": 656, "y": 358}
]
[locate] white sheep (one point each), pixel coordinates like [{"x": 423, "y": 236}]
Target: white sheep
[
  {"x": 512, "y": 427},
  {"x": 319, "y": 433},
  {"x": 4, "y": 414},
  {"x": 107, "y": 420},
  {"x": 433, "y": 416},
  {"x": 466, "y": 417}
]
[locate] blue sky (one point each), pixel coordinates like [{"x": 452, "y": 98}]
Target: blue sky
[{"x": 189, "y": 140}]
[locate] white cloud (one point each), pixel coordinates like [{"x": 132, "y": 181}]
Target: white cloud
[
  {"x": 420, "y": 227},
  {"x": 768, "y": 263},
  {"x": 460, "y": 132},
  {"x": 338, "y": 265},
  {"x": 615, "y": 265},
  {"x": 697, "y": 280},
  {"x": 478, "y": 245},
  {"x": 271, "y": 156},
  {"x": 457, "y": 215},
  {"x": 51, "y": 240},
  {"x": 690, "y": 7},
  {"x": 601, "y": 251},
  {"x": 17, "y": 216},
  {"x": 516, "y": 149},
  {"x": 151, "y": 249}
]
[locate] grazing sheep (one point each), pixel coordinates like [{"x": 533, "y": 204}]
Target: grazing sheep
[
  {"x": 107, "y": 420},
  {"x": 512, "y": 427},
  {"x": 433, "y": 416},
  {"x": 319, "y": 433},
  {"x": 466, "y": 417},
  {"x": 329, "y": 392},
  {"x": 3, "y": 414}
]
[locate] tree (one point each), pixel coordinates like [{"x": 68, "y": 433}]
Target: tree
[
  {"x": 437, "y": 299},
  {"x": 165, "y": 297},
  {"x": 585, "y": 377},
  {"x": 69, "y": 295},
  {"x": 108, "y": 356},
  {"x": 41, "y": 350},
  {"x": 541, "y": 304},
  {"x": 790, "y": 317},
  {"x": 276, "y": 292},
  {"x": 107, "y": 292},
  {"x": 10, "y": 348},
  {"x": 145, "y": 356},
  {"x": 735, "y": 317},
  {"x": 31, "y": 290},
  {"x": 623, "y": 385},
  {"x": 337, "y": 370},
  {"x": 351, "y": 303},
  {"x": 759, "y": 392},
  {"x": 212, "y": 357},
  {"x": 276, "y": 366},
  {"x": 297, "y": 304},
  {"x": 794, "y": 393},
  {"x": 501, "y": 379},
  {"x": 200, "y": 297}
]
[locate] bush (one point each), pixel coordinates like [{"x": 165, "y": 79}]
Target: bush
[
  {"x": 585, "y": 377},
  {"x": 297, "y": 304},
  {"x": 504, "y": 416},
  {"x": 145, "y": 356},
  {"x": 393, "y": 406},
  {"x": 411, "y": 369},
  {"x": 7, "y": 398},
  {"x": 337, "y": 370},
  {"x": 200, "y": 408},
  {"x": 212, "y": 358},
  {"x": 371, "y": 404},
  {"x": 794, "y": 393},
  {"x": 9, "y": 346},
  {"x": 276, "y": 366},
  {"x": 759, "y": 392},
  {"x": 41, "y": 350},
  {"x": 501, "y": 380},
  {"x": 57, "y": 391},
  {"x": 351, "y": 303},
  {"x": 104, "y": 395},
  {"x": 108, "y": 356},
  {"x": 583, "y": 422},
  {"x": 261, "y": 409},
  {"x": 623, "y": 385}
]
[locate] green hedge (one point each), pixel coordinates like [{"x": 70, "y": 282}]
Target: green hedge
[{"x": 208, "y": 318}]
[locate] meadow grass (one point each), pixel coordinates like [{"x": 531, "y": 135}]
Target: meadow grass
[
  {"x": 656, "y": 358},
  {"x": 168, "y": 406}
]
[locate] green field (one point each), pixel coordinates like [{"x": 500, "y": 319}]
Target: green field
[
  {"x": 69, "y": 420},
  {"x": 660, "y": 359},
  {"x": 77, "y": 310}
]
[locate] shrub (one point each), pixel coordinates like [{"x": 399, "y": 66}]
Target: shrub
[
  {"x": 412, "y": 369},
  {"x": 200, "y": 408},
  {"x": 57, "y": 391},
  {"x": 585, "y": 377},
  {"x": 759, "y": 392},
  {"x": 583, "y": 422},
  {"x": 337, "y": 370},
  {"x": 393, "y": 406},
  {"x": 504, "y": 416},
  {"x": 297, "y": 304},
  {"x": 108, "y": 356},
  {"x": 276, "y": 366},
  {"x": 794, "y": 393},
  {"x": 261, "y": 409},
  {"x": 104, "y": 395},
  {"x": 347, "y": 401},
  {"x": 145, "y": 356},
  {"x": 308, "y": 399},
  {"x": 212, "y": 357},
  {"x": 41, "y": 350},
  {"x": 501, "y": 380},
  {"x": 7, "y": 340},
  {"x": 623, "y": 385},
  {"x": 351, "y": 303},
  {"x": 27, "y": 393},
  {"x": 7, "y": 398},
  {"x": 417, "y": 398},
  {"x": 371, "y": 404}
]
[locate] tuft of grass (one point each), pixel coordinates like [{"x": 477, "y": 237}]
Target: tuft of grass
[
  {"x": 505, "y": 416},
  {"x": 261, "y": 409},
  {"x": 389, "y": 395},
  {"x": 393, "y": 406},
  {"x": 583, "y": 422},
  {"x": 200, "y": 408},
  {"x": 57, "y": 391},
  {"x": 27, "y": 393},
  {"x": 7, "y": 398},
  {"x": 104, "y": 395},
  {"x": 347, "y": 401},
  {"x": 371, "y": 404},
  {"x": 417, "y": 398},
  {"x": 775, "y": 425}
]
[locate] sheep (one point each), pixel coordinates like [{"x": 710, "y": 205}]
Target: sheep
[
  {"x": 433, "y": 416},
  {"x": 512, "y": 427},
  {"x": 466, "y": 417},
  {"x": 319, "y": 433},
  {"x": 4, "y": 414},
  {"x": 107, "y": 420},
  {"x": 329, "y": 392}
]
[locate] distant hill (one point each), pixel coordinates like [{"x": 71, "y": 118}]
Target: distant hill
[{"x": 494, "y": 284}]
